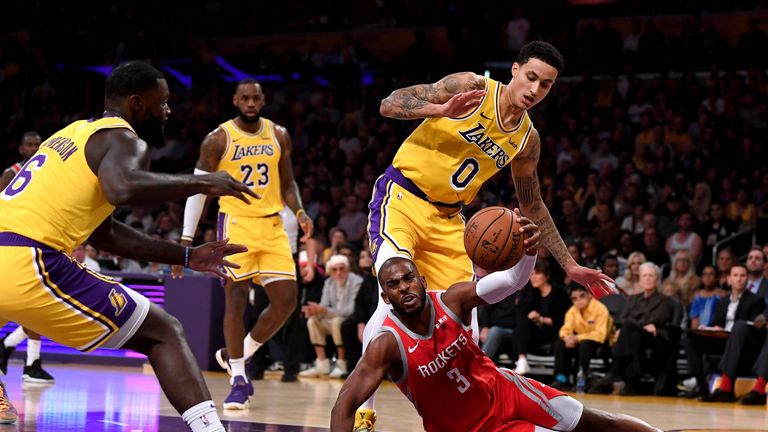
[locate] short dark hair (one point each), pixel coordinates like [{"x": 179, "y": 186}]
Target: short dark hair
[
  {"x": 573, "y": 287},
  {"x": 543, "y": 51},
  {"x": 542, "y": 267},
  {"x": 742, "y": 265},
  {"x": 390, "y": 262},
  {"x": 245, "y": 81},
  {"x": 131, "y": 78}
]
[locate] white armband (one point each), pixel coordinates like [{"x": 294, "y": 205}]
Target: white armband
[
  {"x": 498, "y": 285},
  {"x": 192, "y": 211}
]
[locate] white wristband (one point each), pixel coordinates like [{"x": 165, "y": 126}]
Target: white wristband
[{"x": 192, "y": 211}]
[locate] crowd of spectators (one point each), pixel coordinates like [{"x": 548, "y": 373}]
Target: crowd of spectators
[{"x": 642, "y": 171}]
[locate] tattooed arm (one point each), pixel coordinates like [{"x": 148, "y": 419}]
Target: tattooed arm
[
  {"x": 450, "y": 97},
  {"x": 532, "y": 205}
]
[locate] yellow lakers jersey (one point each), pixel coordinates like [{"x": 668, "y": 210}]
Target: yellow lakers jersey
[
  {"x": 449, "y": 159},
  {"x": 56, "y": 199},
  {"x": 253, "y": 159}
]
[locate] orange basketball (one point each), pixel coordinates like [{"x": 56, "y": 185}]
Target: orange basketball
[{"x": 493, "y": 239}]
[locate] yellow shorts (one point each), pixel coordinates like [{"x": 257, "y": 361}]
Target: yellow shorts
[
  {"x": 400, "y": 223},
  {"x": 269, "y": 253},
  {"x": 52, "y": 294}
]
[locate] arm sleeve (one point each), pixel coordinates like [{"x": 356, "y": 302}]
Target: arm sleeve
[
  {"x": 498, "y": 285},
  {"x": 192, "y": 211}
]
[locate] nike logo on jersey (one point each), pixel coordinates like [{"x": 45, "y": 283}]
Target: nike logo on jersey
[
  {"x": 413, "y": 348},
  {"x": 482, "y": 114},
  {"x": 513, "y": 144}
]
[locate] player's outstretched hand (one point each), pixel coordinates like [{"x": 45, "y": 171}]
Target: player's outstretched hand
[
  {"x": 305, "y": 222},
  {"x": 462, "y": 103},
  {"x": 594, "y": 280},
  {"x": 221, "y": 183},
  {"x": 210, "y": 257},
  {"x": 531, "y": 231}
]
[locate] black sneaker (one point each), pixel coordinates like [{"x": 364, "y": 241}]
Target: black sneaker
[
  {"x": 36, "y": 374},
  {"x": 753, "y": 398},
  {"x": 5, "y": 354},
  {"x": 719, "y": 396}
]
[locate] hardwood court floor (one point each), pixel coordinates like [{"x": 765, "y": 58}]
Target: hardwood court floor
[{"x": 127, "y": 399}]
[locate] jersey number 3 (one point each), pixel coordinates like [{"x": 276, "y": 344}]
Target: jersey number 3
[
  {"x": 455, "y": 375},
  {"x": 263, "y": 170},
  {"x": 24, "y": 177}
]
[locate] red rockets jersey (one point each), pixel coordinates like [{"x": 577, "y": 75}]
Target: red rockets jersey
[{"x": 445, "y": 374}]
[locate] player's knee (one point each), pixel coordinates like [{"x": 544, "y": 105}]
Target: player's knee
[{"x": 173, "y": 327}]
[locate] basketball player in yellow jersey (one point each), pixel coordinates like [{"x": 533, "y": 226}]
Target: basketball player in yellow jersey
[
  {"x": 65, "y": 194},
  {"x": 33, "y": 369},
  {"x": 257, "y": 152},
  {"x": 472, "y": 127}
]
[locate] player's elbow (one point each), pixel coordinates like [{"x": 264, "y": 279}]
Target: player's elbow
[
  {"x": 119, "y": 194},
  {"x": 385, "y": 109}
]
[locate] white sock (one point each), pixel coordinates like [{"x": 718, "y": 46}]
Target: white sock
[
  {"x": 238, "y": 368},
  {"x": 15, "y": 337},
  {"x": 203, "y": 418},
  {"x": 250, "y": 346},
  {"x": 33, "y": 351}
]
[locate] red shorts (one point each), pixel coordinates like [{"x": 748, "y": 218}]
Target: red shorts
[{"x": 521, "y": 403}]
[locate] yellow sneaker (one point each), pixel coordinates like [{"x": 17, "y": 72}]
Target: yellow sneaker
[
  {"x": 8, "y": 413},
  {"x": 364, "y": 420}
]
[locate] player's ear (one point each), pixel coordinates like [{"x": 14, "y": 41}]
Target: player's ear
[
  {"x": 384, "y": 297},
  {"x": 135, "y": 103},
  {"x": 423, "y": 281},
  {"x": 234, "y": 99},
  {"x": 515, "y": 69}
]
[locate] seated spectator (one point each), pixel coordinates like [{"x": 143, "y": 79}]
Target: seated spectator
[
  {"x": 672, "y": 290},
  {"x": 652, "y": 247},
  {"x": 684, "y": 276},
  {"x": 538, "y": 325},
  {"x": 643, "y": 326},
  {"x": 589, "y": 253},
  {"x": 742, "y": 212},
  {"x": 365, "y": 304},
  {"x": 756, "y": 283},
  {"x": 588, "y": 324},
  {"x": 703, "y": 306},
  {"x": 610, "y": 266},
  {"x": 684, "y": 238},
  {"x": 724, "y": 262},
  {"x": 325, "y": 318},
  {"x": 166, "y": 227},
  {"x": 338, "y": 237},
  {"x": 756, "y": 396},
  {"x": 716, "y": 228},
  {"x": 630, "y": 281},
  {"x": 497, "y": 323},
  {"x": 352, "y": 220},
  {"x": 736, "y": 315}
]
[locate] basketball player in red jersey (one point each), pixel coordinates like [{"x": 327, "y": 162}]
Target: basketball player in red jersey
[
  {"x": 33, "y": 369},
  {"x": 425, "y": 345}
]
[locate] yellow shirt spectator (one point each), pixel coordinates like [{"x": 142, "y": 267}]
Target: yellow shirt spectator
[{"x": 591, "y": 323}]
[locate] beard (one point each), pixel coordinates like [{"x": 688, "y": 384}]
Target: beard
[
  {"x": 249, "y": 120},
  {"x": 153, "y": 132},
  {"x": 417, "y": 311}
]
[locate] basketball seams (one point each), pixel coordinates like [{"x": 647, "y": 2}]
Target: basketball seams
[
  {"x": 505, "y": 245},
  {"x": 480, "y": 237}
]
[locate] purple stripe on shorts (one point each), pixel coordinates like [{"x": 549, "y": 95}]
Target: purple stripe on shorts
[
  {"x": 103, "y": 301},
  {"x": 220, "y": 226},
  {"x": 374, "y": 215}
]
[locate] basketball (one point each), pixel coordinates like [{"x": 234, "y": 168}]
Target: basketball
[{"x": 493, "y": 239}]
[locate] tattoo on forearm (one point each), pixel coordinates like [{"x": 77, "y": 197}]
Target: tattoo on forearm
[
  {"x": 550, "y": 237},
  {"x": 527, "y": 189}
]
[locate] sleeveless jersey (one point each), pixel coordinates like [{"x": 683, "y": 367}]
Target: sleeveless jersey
[
  {"x": 253, "y": 159},
  {"x": 449, "y": 159},
  {"x": 56, "y": 199},
  {"x": 446, "y": 375}
]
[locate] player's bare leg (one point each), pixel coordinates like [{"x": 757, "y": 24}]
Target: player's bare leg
[
  {"x": 282, "y": 302},
  {"x": 161, "y": 338}
]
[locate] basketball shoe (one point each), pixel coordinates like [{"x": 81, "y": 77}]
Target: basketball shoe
[
  {"x": 238, "y": 397},
  {"x": 36, "y": 374},
  {"x": 365, "y": 419},
  {"x": 8, "y": 413}
]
